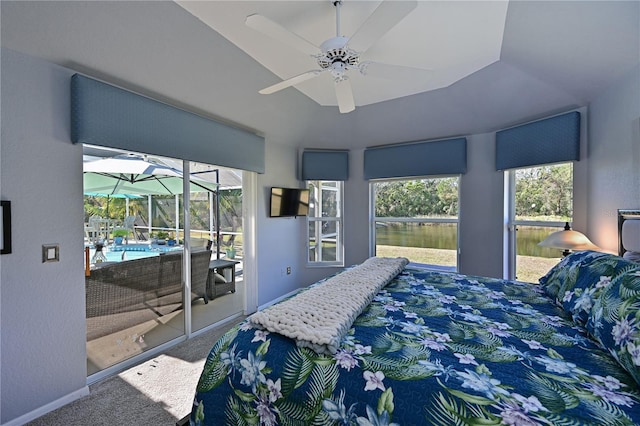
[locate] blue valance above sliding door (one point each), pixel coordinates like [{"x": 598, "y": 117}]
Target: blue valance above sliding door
[
  {"x": 552, "y": 140},
  {"x": 325, "y": 165},
  {"x": 444, "y": 157},
  {"x": 105, "y": 115}
]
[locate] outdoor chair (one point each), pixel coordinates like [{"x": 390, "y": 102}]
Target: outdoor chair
[
  {"x": 128, "y": 224},
  {"x": 95, "y": 226},
  {"x": 90, "y": 232}
]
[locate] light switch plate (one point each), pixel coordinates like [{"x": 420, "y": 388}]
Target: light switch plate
[{"x": 50, "y": 253}]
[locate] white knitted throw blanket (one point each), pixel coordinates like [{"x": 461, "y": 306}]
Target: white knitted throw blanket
[{"x": 320, "y": 316}]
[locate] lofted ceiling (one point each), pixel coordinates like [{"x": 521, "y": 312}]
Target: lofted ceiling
[
  {"x": 450, "y": 41},
  {"x": 494, "y": 63}
]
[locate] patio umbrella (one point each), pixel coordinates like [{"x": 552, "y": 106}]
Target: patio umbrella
[
  {"x": 137, "y": 175},
  {"x": 227, "y": 178},
  {"x": 134, "y": 175}
]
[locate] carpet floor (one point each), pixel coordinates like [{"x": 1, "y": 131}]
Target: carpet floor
[{"x": 158, "y": 392}]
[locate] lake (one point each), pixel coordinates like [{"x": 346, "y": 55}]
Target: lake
[{"x": 444, "y": 236}]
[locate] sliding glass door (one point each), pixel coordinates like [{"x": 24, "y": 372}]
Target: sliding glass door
[{"x": 141, "y": 220}]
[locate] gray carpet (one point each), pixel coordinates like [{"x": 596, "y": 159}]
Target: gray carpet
[{"x": 159, "y": 391}]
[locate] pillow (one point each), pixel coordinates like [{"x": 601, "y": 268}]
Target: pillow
[
  {"x": 219, "y": 279},
  {"x": 564, "y": 275},
  {"x": 596, "y": 272},
  {"x": 633, "y": 256},
  {"x": 615, "y": 320}
]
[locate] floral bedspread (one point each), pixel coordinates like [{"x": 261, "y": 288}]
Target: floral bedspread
[{"x": 433, "y": 348}]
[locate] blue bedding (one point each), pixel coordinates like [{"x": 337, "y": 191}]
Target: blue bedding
[{"x": 432, "y": 348}]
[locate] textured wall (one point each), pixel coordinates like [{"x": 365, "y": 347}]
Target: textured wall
[
  {"x": 614, "y": 158},
  {"x": 42, "y": 304},
  {"x": 481, "y": 210},
  {"x": 281, "y": 240}
]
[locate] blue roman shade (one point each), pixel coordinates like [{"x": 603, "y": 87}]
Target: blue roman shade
[
  {"x": 552, "y": 140},
  {"x": 444, "y": 157},
  {"x": 325, "y": 165},
  {"x": 105, "y": 115}
]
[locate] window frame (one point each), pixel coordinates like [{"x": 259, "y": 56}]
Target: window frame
[
  {"x": 339, "y": 221},
  {"x": 373, "y": 219},
  {"x": 510, "y": 252}
]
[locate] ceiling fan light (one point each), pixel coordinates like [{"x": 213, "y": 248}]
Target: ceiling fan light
[{"x": 337, "y": 71}]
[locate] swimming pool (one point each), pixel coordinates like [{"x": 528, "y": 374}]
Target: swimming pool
[
  {"x": 118, "y": 253},
  {"x": 157, "y": 248}
]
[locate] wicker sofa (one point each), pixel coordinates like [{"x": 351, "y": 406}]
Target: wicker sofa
[{"x": 149, "y": 283}]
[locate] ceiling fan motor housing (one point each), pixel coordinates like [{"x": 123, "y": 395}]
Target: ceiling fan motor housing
[{"x": 337, "y": 56}]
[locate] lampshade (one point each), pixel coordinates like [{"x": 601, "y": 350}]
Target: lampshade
[{"x": 568, "y": 239}]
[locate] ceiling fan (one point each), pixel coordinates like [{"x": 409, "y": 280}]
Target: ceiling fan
[{"x": 339, "y": 55}]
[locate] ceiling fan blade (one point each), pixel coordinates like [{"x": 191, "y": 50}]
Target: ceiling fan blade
[
  {"x": 278, "y": 32},
  {"x": 345, "y": 96},
  {"x": 394, "y": 72},
  {"x": 386, "y": 16},
  {"x": 290, "y": 82}
]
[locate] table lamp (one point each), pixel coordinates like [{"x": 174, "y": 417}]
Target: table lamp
[{"x": 568, "y": 240}]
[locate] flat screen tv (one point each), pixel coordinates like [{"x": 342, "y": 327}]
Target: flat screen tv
[{"x": 287, "y": 202}]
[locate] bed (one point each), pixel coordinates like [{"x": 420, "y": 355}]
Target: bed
[{"x": 437, "y": 348}]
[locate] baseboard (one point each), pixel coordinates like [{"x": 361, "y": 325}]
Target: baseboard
[
  {"x": 47, "y": 408},
  {"x": 274, "y": 301}
]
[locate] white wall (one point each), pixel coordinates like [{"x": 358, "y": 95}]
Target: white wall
[
  {"x": 356, "y": 211},
  {"x": 481, "y": 210},
  {"x": 42, "y": 305},
  {"x": 281, "y": 240},
  {"x": 614, "y": 158}
]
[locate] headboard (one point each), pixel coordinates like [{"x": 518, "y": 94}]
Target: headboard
[{"x": 628, "y": 231}]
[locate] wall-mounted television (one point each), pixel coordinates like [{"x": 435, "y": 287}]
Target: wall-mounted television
[{"x": 287, "y": 202}]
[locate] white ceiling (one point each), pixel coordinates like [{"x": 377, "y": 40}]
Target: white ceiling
[
  {"x": 451, "y": 39},
  {"x": 554, "y": 56}
]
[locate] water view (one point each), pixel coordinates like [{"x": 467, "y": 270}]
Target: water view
[{"x": 444, "y": 236}]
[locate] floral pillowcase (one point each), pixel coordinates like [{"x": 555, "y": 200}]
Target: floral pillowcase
[
  {"x": 574, "y": 282},
  {"x": 602, "y": 292},
  {"x": 615, "y": 321}
]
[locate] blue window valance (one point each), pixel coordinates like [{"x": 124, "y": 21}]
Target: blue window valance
[
  {"x": 552, "y": 140},
  {"x": 443, "y": 157},
  {"x": 325, "y": 165},
  {"x": 105, "y": 115}
]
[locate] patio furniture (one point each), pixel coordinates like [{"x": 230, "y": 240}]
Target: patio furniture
[
  {"x": 90, "y": 232},
  {"x": 102, "y": 227},
  {"x": 147, "y": 284},
  {"x": 222, "y": 278},
  {"x": 128, "y": 225}
]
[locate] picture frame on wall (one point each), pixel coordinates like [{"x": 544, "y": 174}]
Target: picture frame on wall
[{"x": 5, "y": 229}]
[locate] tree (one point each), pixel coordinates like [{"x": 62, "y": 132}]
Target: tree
[
  {"x": 417, "y": 198},
  {"x": 545, "y": 191}
]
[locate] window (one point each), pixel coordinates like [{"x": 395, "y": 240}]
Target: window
[
  {"x": 540, "y": 202},
  {"x": 325, "y": 223},
  {"x": 417, "y": 219}
]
